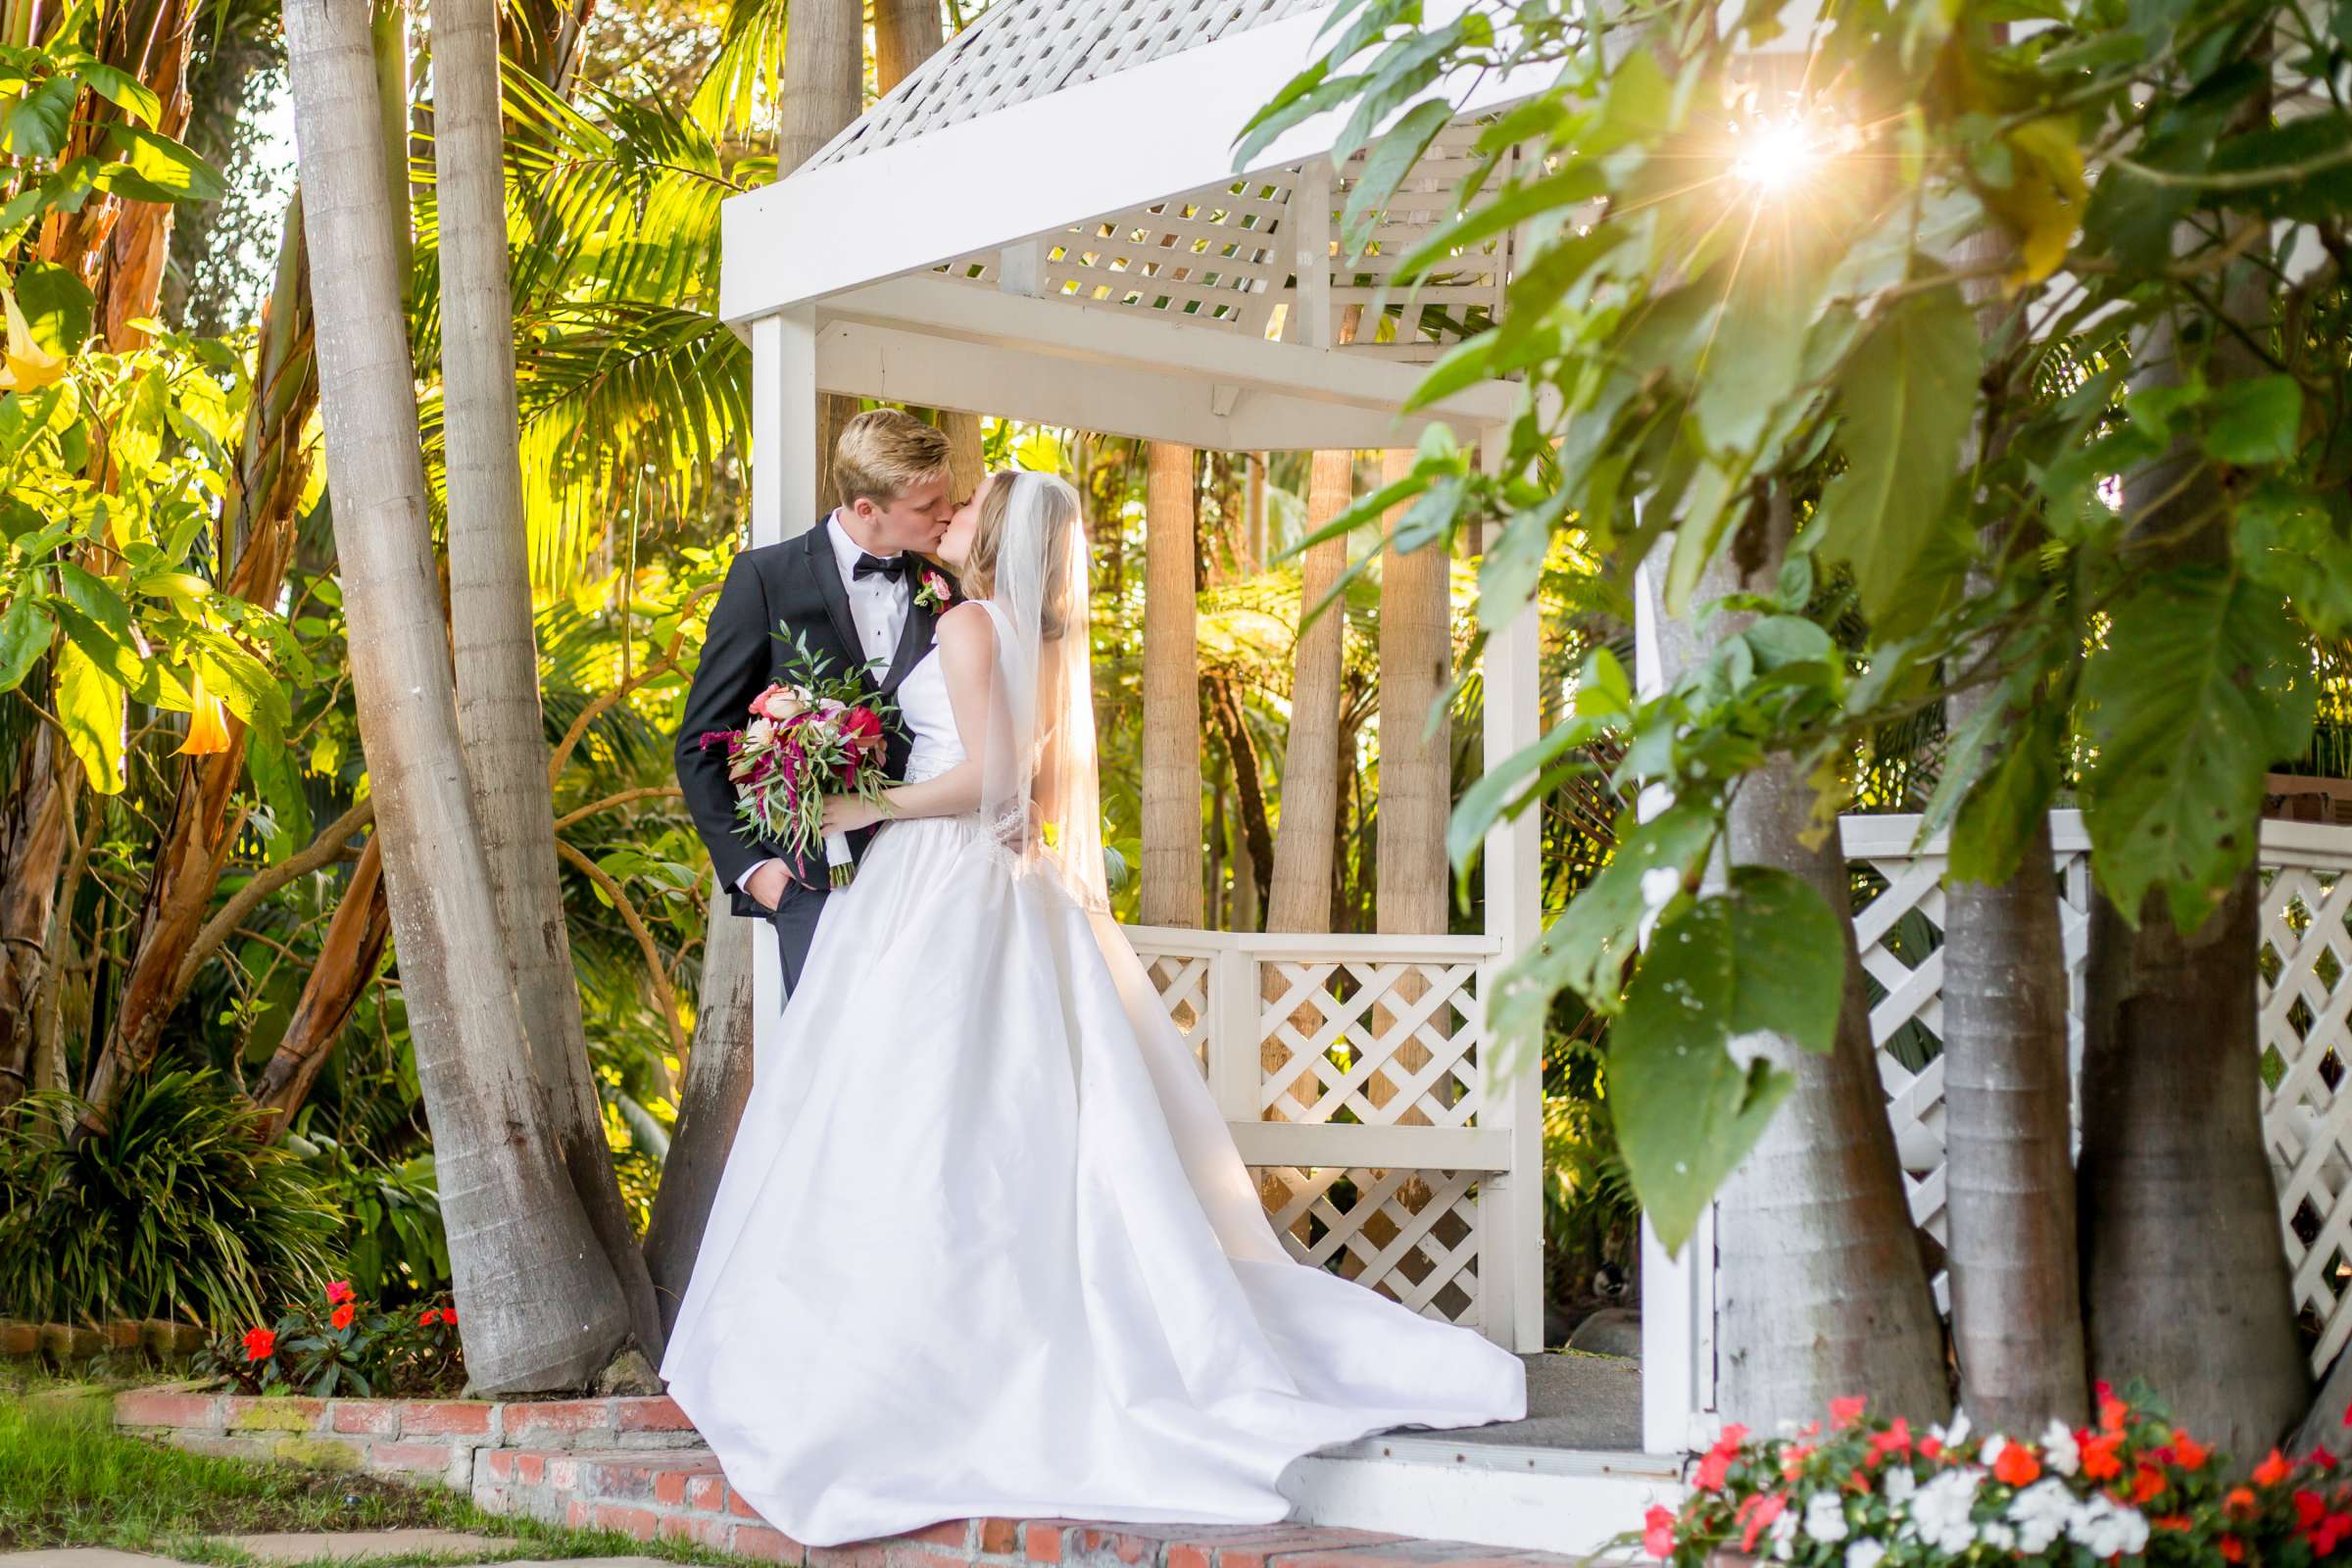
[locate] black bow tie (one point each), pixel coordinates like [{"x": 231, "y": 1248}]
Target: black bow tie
[{"x": 895, "y": 569}]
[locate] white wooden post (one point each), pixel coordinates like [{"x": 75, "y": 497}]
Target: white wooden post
[
  {"x": 1511, "y": 1207},
  {"x": 1677, "y": 1293},
  {"x": 1021, "y": 269},
  {"x": 784, "y": 468},
  {"x": 1315, "y": 324}
]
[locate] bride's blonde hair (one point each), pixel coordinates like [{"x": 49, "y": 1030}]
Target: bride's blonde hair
[{"x": 987, "y": 538}]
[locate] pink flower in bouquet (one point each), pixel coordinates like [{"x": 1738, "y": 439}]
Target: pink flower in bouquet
[{"x": 780, "y": 703}]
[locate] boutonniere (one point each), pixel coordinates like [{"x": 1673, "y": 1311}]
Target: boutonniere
[{"x": 934, "y": 594}]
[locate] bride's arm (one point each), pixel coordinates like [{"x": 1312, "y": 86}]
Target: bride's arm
[{"x": 967, "y": 656}]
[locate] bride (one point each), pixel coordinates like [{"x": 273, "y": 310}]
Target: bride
[{"x": 985, "y": 1245}]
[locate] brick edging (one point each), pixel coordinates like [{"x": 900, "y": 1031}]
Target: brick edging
[{"x": 637, "y": 1466}]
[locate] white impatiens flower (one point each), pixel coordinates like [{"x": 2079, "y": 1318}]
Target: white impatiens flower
[
  {"x": 2105, "y": 1527},
  {"x": 2061, "y": 1454},
  {"x": 1865, "y": 1553},
  {"x": 1951, "y": 1436},
  {"x": 1940, "y": 1511},
  {"x": 2042, "y": 1514},
  {"x": 1998, "y": 1535},
  {"x": 1989, "y": 1454},
  {"x": 1784, "y": 1536},
  {"x": 1825, "y": 1517},
  {"x": 1899, "y": 1485}
]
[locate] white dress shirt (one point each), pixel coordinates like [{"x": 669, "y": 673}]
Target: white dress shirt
[
  {"x": 878, "y": 607},
  {"x": 877, "y": 604}
]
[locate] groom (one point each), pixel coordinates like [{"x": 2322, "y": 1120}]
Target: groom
[{"x": 848, "y": 587}]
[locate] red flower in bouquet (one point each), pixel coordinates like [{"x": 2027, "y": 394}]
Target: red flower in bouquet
[
  {"x": 808, "y": 736},
  {"x": 260, "y": 1344}
]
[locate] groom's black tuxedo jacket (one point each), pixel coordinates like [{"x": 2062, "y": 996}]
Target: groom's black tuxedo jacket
[{"x": 793, "y": 588}]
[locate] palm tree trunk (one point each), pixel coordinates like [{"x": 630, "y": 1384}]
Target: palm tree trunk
[
  {"x": 719, "y": 1080},
  {"x": 542, "y": 1307},
  {"x": 2185, "y": 1276},
  {"x": 1171, "y": 869},
  {"x": 1298, "y": 895},
  {"x": 32, "y": 855},
  {"x": 1820, "y": 1290},
  {"x": 497, "y": 653},
  {"x": 824, "y": 84},
  {"x": 2009, "y": 1178},
  {"x": 1416, "y": 760}
]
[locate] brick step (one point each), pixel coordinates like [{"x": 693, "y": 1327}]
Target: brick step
[{"x": 680, "y": 1494}]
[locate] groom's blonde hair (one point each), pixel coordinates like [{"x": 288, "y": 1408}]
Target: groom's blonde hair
[{"x": 884, "y": 453}]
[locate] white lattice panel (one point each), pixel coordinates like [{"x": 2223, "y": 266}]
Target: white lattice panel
[
  {"x": 1021, "y": 50},
  {"x": 1408, "y": 1234},
  {"x": 1348, "y": 1068},
  {"x": 2305, "y": 1002},
  {"x": 1225, "y": 255},
  {"x": 1385, "y": 1043}
]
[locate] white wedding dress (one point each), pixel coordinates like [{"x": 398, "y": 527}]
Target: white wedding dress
[{"x": 984, "y": 1246}]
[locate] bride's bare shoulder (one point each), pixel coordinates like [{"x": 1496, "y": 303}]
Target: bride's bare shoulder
[{"x": 965, "y": 632}]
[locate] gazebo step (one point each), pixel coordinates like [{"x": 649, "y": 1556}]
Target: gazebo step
[{"x": 679, "y": 1495}]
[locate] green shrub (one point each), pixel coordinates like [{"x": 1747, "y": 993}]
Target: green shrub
[{"x": 175, "y": 1211}]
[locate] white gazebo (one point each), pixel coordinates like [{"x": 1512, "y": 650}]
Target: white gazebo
[{"x": 1045, "y": 222}]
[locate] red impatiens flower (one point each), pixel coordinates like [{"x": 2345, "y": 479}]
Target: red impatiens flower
[
  {"x": 2015, "y": 1466},
  {"x": 2113, "y": 1413},
  {"x": 1756, "y": 1513},
  {"x": 2100, "y": 1461},
  {"x": 431, "y": 1316},
  {"x": 2233, "y": 1549},
  {"x": 2241, "y": 1502},
  {"x": 1845, "y": 1412},
  {"x": 2331, "y": 1533},
  {"x": 338, "y": 1292},
  {"x": 341, "y": 1316},
  {"x": 1715, "y": 1466},
  {"x": 1894, "y": 1440},
  {"x": 1657, "y": 1533},
  {"x": 260, "y": 1344},
  {"x": 2310, "y": 1509},
  {"x": 2146, "y": 1482},
  {"x": 449, "y": 1315},
  {"x": 1793, "y": 1459},
  {"x": 2272, "y": 1470},
  {"x": 2188, "y": 1452}
]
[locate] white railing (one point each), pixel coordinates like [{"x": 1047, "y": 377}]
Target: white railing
[
  {"x": 2305, "y": 997},
  {"x": 2302, "y": 1036},
  {"x": 1353, "y": 1070}
]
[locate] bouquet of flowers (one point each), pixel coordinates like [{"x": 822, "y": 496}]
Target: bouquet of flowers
[
  {"x": 1870, "y": 1492},
  {"x": 809, "y": 735}
]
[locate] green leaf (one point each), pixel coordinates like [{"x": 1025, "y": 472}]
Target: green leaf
[
  {"x": 2012, "y": 797},
  {"x": 2256, "y": 422},
  {"x": 1687, "y": 1111},
  {"x": 2203, "y": 684},
  {"x": 89, "y": 705},
  {"x": 2291, "y": 545},
  {"x": 26, "y": 631},
  {"x": 1908, "y": 391},
  {"x": 56, "y": 306},
  {"x": 34, "y": 125},
  {"x": 277, "y": 778},
  {"x": 1587, "y": 948},
  {"x": 1399, "y": 151},
  {"x": 153, "y": 168},
  {"x": 95, "y": 597},
  {"x": 120, "y": 87}
]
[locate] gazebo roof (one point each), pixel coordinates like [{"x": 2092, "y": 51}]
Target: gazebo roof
[
  {"x": 1026, "y": 49},
  {"x": 1046, "y": 220}
]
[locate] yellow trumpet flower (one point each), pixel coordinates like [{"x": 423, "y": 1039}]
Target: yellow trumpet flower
[
  {"x": 208, "y": 722},
  {"x": 25, "y": 366}
]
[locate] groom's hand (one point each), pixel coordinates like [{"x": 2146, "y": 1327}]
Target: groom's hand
[{"x": 766, "y": 885}]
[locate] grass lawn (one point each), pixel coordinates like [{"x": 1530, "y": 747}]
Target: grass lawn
[{"x": 68, "y": 1479}]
